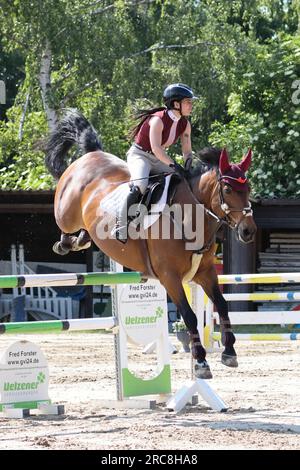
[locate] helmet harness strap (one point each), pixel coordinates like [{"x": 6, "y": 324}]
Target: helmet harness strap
[{"x": 178, "y": 109}]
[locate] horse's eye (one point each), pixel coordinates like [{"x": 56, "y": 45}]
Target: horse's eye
[{"x": 227, "y": 189}]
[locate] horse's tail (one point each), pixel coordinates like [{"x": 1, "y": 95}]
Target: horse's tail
[{"x": 73, "y": 128}]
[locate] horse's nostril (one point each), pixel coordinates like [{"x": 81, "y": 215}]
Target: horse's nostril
[{"x": 247, "y": 234}]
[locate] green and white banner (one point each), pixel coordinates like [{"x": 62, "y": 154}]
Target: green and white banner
[
  {"x": 24, "y": 376},
  {"x": 143, "y": 311}
]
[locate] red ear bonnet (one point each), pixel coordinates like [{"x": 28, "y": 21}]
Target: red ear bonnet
[
  {"x": 234, "y": 174},
  {"x": 246, "y": 162},
  {"x": 224, "y": 164}
]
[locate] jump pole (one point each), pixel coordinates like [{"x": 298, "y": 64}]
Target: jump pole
[
  {"x": 288, "y": 278},
  {"x": 255, "y": 318},
  {"x": 124, "y": 400},
  {"x": 216, "y": 336},
  {"x": 71, "y": 279},
  {"x": 58, "y": 325}
]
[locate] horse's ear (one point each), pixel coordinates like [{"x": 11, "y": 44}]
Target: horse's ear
[
  {"x": 246, "y": 162},
  {"x": 224, "y": 164}
]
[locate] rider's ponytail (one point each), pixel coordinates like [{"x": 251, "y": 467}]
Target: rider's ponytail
[{"x": 141, "y": 115}]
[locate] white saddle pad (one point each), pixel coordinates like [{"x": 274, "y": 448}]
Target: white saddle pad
[{"x": 112, "y": 203}]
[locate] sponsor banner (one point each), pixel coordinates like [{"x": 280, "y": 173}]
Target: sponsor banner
[
  {"x": 143, "y": 311},
  {"x": 24, "y": 374}
]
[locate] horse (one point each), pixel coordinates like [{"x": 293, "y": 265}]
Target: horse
[{"x": 87, "y": 180}]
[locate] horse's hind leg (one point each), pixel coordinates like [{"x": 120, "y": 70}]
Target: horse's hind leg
[
  {"x": 70, "y": 242},
  {"x": 175, "y": 290},
  {"x": 82, "y": 242},
  {"x": 64, "y": 246}
]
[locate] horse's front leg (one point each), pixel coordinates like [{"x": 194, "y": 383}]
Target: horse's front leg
[
  {"x": 209, "y": 282},
  {"x": 173, "y": 285}
]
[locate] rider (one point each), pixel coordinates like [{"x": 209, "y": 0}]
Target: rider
[{"x": 157, "y": 129}]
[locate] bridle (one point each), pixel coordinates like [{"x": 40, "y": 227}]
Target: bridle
[{"x": 246, "y": 211}]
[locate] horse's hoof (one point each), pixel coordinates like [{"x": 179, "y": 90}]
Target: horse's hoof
[
  {"x": 229, "y": 361},
  {"x": 77, "y": 247},
  {"x": 202, "y": 370},
  {"x": 59, "y": 250}
]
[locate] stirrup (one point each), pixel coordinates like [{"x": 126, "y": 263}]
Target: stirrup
[{"x": 115, "y": 232}]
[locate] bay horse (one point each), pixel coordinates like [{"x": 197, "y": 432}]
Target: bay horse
[{"x": 87, "y": 180}]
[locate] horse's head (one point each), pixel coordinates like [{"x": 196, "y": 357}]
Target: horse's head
[{"x": 230, "y": 200}]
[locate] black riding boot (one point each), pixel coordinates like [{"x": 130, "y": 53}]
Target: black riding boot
[{"x": 120, "y": 231}]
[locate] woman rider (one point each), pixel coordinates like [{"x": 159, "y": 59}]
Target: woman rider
[{"x": 158, "y": 129}]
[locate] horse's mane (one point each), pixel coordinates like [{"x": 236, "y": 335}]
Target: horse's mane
[{"x": 208, "y": 160}]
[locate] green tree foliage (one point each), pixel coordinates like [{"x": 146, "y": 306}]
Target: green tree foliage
[
  {"x": 12, "y": 73},
  {"x": 265, "y": 112},
  {"x": 108, "y": 57}
]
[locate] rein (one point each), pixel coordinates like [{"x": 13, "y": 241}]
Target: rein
[
  {"x": 207, "y": 245},
  {"x": 140, "y": 179},
  {"x": 246, "y": 211}
]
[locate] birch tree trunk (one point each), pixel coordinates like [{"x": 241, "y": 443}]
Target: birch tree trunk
[{"x": 45, "y": 82}]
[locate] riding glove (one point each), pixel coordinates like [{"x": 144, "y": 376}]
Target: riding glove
[
  {"x": 178, "y": 169},
  {"x": 188, "y": 164}
]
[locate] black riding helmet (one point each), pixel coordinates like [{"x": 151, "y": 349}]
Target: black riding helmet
[{"x": 177, "y": 92}]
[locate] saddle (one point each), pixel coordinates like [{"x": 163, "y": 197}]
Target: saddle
[{"x": 154, "y": 192}]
